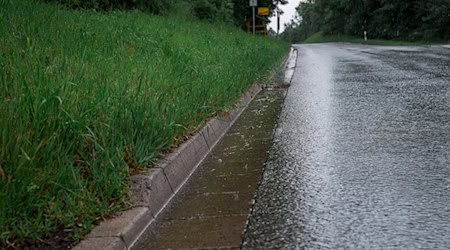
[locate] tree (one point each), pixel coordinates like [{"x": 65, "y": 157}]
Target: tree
[{"x": 386, "y": 19}]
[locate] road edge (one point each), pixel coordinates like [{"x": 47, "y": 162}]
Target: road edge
[
  {"x": 152, "y": 189},
  {"x": 289, "y": 70}
]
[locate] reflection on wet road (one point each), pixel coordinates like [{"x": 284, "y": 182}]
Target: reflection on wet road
[{"x": 361, "y": 157}]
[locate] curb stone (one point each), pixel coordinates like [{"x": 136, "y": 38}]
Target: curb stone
[{"x": 154, "y": 188}]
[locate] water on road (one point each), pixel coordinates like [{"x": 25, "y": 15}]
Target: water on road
[{"x": 361, "y": 157}]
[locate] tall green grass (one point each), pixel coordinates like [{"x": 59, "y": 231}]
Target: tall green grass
[
  {"x": 319, "y": 37},
  {"x": 86, "y": 97}
]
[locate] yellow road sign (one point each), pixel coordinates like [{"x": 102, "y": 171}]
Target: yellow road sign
[{"x": 263, "y": 11}]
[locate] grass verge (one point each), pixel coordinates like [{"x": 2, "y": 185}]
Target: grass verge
[
  {"x": 319, "y": 37},
  {"x": 86, "y": 97}
]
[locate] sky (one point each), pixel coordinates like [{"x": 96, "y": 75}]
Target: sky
[{"x": 289, "y": 13}]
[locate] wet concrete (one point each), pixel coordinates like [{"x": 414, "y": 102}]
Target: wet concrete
[
  {"x": 361, "y": 157},
  {"x": 212, "y": 208}
]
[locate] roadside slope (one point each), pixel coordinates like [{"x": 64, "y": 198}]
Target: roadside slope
[{"x": 88, "y": 98}]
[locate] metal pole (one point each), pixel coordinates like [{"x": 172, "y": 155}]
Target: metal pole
[
  {"x": 278, "y": 20},
  {"x": 278, "y": 24},
  {"x": 254, "y": 17}
]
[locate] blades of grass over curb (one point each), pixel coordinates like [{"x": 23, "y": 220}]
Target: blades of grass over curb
[{"x": 88, "y": 97}]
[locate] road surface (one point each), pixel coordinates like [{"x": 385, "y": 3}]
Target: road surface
[{"x": 361, "y": 157}]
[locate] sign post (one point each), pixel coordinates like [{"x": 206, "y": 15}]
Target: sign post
[
  {"x": 278, "y": 19},
  {"x": 279, "y": 12},
  {"x": 253, "y": 4}
]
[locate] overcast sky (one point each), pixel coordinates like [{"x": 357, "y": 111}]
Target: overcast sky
[{"x": 289, "y": 13}]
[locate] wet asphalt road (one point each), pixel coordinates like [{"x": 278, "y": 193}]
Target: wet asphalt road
[{"x": 361, "y": 157}]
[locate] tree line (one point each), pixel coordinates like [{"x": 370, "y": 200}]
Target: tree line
[
  {"x": 410, "y": 20},
  {"x": 224, "y": 11}
]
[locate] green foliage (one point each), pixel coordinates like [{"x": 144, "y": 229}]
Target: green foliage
[
  {"x": 383, "y": 19},
  {"x": 211, "y": 10},
  {"x": 316, "y": 38},
  {"x": 87, "y": 97},
  {"x": 310, "y": 23},
  {"x": 214, "y": 10},
  {"x": 153, "y": 6}
]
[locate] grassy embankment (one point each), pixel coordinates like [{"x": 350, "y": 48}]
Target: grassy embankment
[
  {"x": 319, "y": 37},
  {"x": 86, "y": 97}
]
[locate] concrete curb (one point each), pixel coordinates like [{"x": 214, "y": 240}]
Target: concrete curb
[
  {"x": 290, "y": 64},
  {"x": 154, "y": 188}
]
